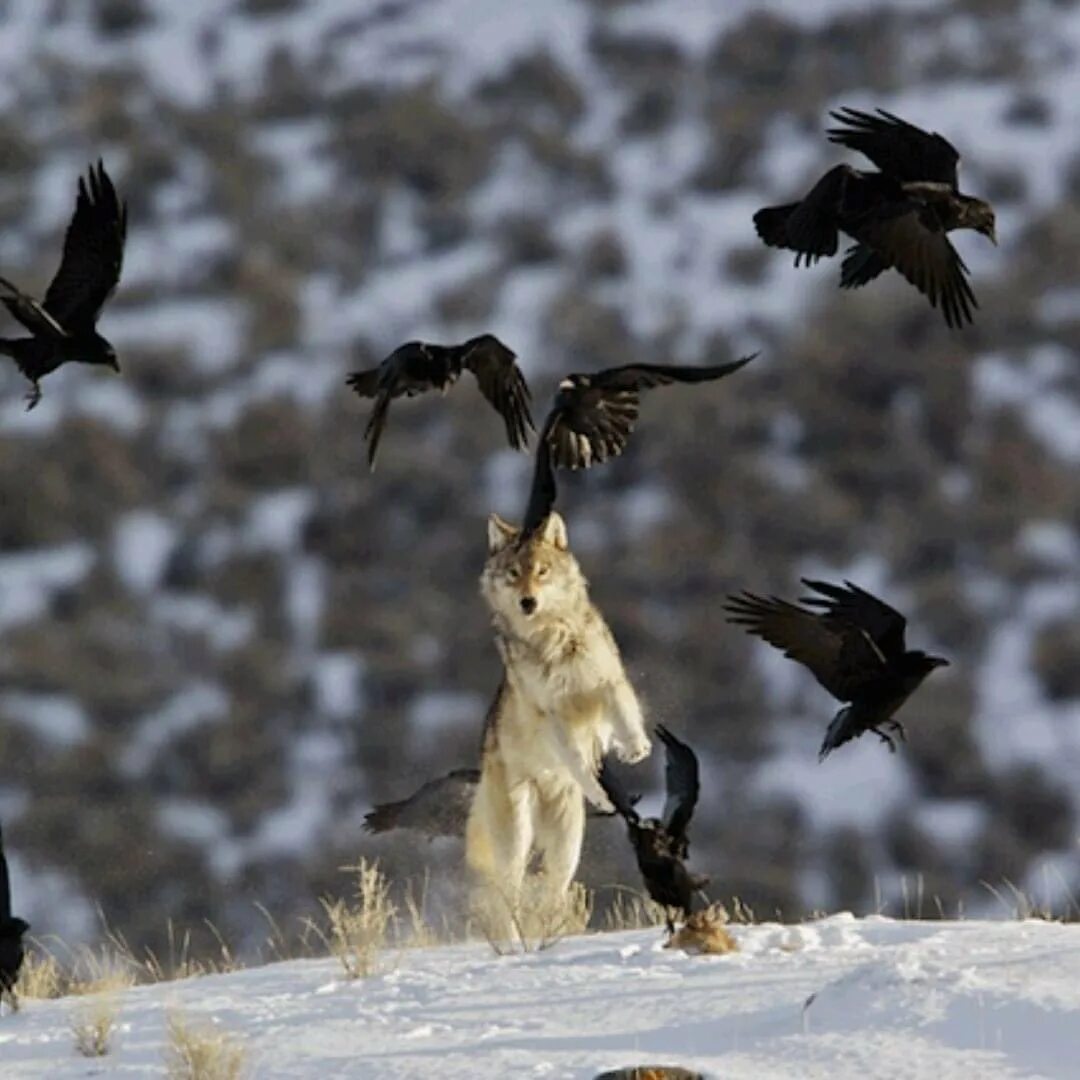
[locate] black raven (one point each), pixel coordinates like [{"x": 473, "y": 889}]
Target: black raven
[
  {"x": 418, "y": 366},
  {"x": 440, "y": 807},
  {"x": 899, "y": 217},
  {"x": 64, "y": 324},
  {"x": 12, "y": 929},
  {"x": 854, "y": 647},
  {"x": 661, "y": 844},
  {"x": 591, "y": 420}
]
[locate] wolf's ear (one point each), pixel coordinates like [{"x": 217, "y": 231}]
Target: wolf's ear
[
  {"x": 555, "y": 531},
  {"x": 500, "y": 533}
]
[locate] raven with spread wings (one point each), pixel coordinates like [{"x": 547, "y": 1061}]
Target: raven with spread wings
[
  {"x": 900, "y": 216},
  {"x": 441, "y": 807},
  {"x": 64, "y": 325},
  {"x": 661, "y": 844},
  {"x": 12, "y": 929},
  {"x": 592, "y": 418},
  {"x": 854, "y": 646},
  {"x": 417, "y": 366}
]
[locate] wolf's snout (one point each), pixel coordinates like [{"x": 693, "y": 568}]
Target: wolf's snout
[{"x": 528, "y": 604}]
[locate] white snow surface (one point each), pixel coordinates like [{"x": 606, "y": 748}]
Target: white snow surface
[{"x": 836, "y": 998}]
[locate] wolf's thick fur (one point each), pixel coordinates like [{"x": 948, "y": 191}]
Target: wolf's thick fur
[{"x": 564, "y": 701}]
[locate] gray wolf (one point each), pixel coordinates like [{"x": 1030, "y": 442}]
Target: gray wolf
[{"x": 563, "y": 703}]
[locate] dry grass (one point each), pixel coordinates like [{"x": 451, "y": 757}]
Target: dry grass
[
  {"x": 1058, "y": 904},
  {"x": 536, "y": 920},
  {"x": 93, "y": 1025},
  {"x": 632, "y": 910},
  {"x": 81, "y": 971},
  {"x": 200, "y": 1052},
  {"x": 180, "y": 962},
  {"x": 357, "y": 933}
]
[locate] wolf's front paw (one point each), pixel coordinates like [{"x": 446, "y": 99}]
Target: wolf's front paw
[
  {"x": 633, "y": 751},
  {"x": 599, "y": 799}
]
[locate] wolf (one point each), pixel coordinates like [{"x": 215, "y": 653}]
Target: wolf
[{"x": 564, "y": 701}]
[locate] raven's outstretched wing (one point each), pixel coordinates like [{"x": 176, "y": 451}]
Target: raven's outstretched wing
[
  {"x": 594, "y": 415},
  {"x": 542, "y": 493},
  {"x": 502, "y": 383},
  {"x": 439, "y": 808},
  {"x": 93, "y": 254},
  {"x": 29, "y": 312},
  {"x": 914, "y": 243},
  {"x": 841, "y": 656},
  {"x": 896, "y": 147},
  {"x": 681, "y": 782},
  {"x": 850, "y": 604},
  {"x": 860, "y": 266}
]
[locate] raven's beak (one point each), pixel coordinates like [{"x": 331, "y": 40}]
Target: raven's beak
[
  {"x": 114, "y": 364},
  {"x": 940, "y": 661},
  {"x": 991, "y": 232}
]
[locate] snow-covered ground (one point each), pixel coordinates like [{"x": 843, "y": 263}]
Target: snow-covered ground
[{"x": 836, "y": 998}]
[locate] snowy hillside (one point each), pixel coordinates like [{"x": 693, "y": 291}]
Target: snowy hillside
[
  {"x": 221, "y": 639},
  {"x": 832, "y": 999}
]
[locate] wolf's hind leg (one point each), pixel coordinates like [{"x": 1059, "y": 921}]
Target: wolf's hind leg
[
  {"x": 498, "y": 840},
  {"x": 560, "y": 831}
]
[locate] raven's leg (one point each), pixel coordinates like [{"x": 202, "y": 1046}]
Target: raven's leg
[
  {"x": 885, "y": 739},
  {"x": 898, "y": 728}
]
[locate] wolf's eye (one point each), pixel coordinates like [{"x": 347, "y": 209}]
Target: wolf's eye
[
  {"x": 512, "y": 574},
  {"x": 542, "y": 571}
]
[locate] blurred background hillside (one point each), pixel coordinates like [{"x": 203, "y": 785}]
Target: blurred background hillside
[{"x": 221, "y": 640}]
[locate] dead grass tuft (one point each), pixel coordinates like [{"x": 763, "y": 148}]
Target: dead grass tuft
[
  {"x": 201, "y": 1052},
  {"x": 358, "y": 931},
  {"x": 538, "y": 919},
  {"x": 93, "y": 1025}
]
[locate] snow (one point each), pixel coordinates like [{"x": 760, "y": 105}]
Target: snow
[
  {"x": 276, "y": 521},
  {"x": 189, "y": 709},
  {"x": 142, "y": 544},
  {"x": 28, "y": 579},
  {"x": 829, "y": 999},
  {"x": 439, "y": 711},
  {"x": 337, "y": 678},
  {"x": 58, "y": 718}
]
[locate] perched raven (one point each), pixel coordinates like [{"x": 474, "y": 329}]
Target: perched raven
[
  {"x": 591, "y": 420},
  {"x": 440, "y": 807},
  {"x": 64, "y": 324},
  {"x": 12, "y": 929},
  {"x": 661, "y": 844},
  {"x": 417, "y": 366},
  {"x": 854, "y": 647},
  {"x": 899, "y": 217}
]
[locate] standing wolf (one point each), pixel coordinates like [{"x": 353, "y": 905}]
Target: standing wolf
[{"x": 564, "y": 701}]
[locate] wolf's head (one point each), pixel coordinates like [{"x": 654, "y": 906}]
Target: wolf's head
[{"x": 524, "y": 582}]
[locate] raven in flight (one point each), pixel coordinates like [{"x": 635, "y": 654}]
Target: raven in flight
[
  {"x": 854, "y": 647},
  {"x": 63, "y": 325},
  {"x": 441, "y": 807},
  {"x": 661, "y": 844},
  {"x": 12, "y": 929},
  {"x": 418, "y": 366},
  {"x": 899, "y": 216},
  {"x": 591, "y": 420}
]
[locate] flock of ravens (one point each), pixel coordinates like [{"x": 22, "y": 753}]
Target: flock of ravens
[{"x": 898, "y": 215}]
